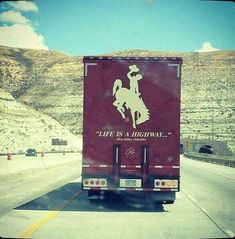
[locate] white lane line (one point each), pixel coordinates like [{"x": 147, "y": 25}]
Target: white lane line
[
  {"x": 229, "y": 233},
  {"x": 205, "y": 212},
  {"x": 214, "y": 172},
  {"x": 191, "y": 197}
]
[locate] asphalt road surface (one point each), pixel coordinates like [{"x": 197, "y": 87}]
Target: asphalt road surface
[{"x": 205, "y": 207}]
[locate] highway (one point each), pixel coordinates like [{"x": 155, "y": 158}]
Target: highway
[{"x": 53, "y": 206}]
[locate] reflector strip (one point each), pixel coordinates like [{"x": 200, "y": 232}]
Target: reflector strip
[
  {"x": 85, "y": 166},
  {"x": 96, "y": 166},
  {"x": 130, "y": 166},
  {"x": 164, "y": 166},
  {"x": 103, "y": 166},
  {"x": 131, "y": 189}
]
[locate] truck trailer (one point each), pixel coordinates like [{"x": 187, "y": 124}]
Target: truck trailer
[{"x": 131, "y": 125}]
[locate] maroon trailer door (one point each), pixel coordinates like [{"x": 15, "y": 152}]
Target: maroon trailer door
[{"x": 131, "y": 123}]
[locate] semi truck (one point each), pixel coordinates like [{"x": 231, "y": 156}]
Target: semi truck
[{"x": 131, "y": 126}]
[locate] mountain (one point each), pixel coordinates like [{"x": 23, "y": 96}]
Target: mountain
[
  {"x": 22, "y": 127},
  {"x": 52, "y": 82}
]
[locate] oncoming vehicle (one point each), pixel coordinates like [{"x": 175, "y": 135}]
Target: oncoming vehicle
[
  {"x": 131, "y": 129},
  {"x": 31, "y": 152}
]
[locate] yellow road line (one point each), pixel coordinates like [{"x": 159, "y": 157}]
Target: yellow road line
[{"x": 28, "y": 232}]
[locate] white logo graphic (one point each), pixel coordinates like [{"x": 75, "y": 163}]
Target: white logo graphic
[{"x": 131, "y": 98}]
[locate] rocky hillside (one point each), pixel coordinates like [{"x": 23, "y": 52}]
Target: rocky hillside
[
  {"x": 47, "y": 81},
  {"x": 22, "y": 127},
  {"x": 51, "y": 82}
]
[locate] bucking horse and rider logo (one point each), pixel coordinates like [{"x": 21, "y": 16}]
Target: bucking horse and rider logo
[{"x": 130, "y": 99}]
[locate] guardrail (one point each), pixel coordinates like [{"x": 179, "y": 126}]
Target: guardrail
[{"x": 211, "y": 158}]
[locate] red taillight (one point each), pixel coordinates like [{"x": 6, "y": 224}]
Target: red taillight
[{"x": 157, "y": 183}]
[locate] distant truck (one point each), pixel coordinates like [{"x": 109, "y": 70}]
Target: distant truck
[{"x": 131, "y": 128}]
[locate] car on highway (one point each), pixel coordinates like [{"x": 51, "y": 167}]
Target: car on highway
[{"x": 31, "y": 152}]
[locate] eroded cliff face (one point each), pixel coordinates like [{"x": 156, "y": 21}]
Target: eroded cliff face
[
  {"x": 22, "y": 127},
  {"x": 52, "y": 82}
]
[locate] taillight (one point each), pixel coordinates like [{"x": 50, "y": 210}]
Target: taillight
[
  {"x": 95, "y": 182},
  {"x": 166, "y": 183}
]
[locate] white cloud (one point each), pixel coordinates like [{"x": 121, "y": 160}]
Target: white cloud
[
  {"x": 24, "y": 6},
  {"x": 13, "y": 17},
  {"x": 207, "y": 47},
  {"x": 22, "y": 36}
]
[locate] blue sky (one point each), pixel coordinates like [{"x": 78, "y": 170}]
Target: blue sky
[{"x": 89, "y": 27}]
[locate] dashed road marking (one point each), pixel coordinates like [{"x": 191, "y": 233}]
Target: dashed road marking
[
  {"x": 28, "y": 232},
  {"x": 229, "y": 233},
  {"x": 192, "y": 198},
  {"x": 194, "y": 201}
]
